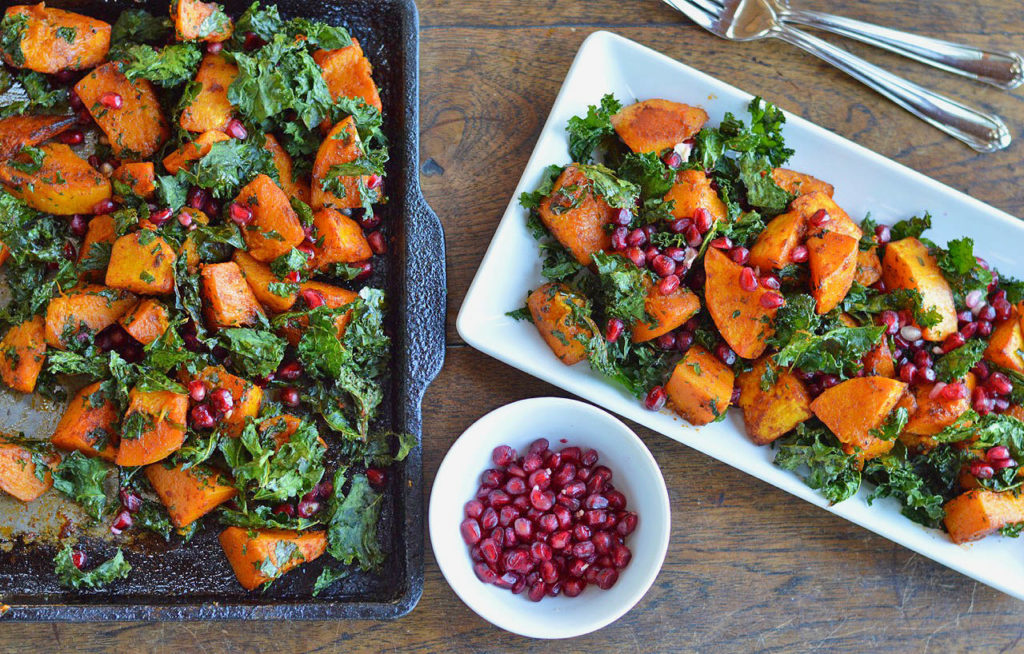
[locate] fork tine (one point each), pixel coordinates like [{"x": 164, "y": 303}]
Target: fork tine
[
  {"x": 711, "y": 6},
  {"x": 697, "y": 14}
]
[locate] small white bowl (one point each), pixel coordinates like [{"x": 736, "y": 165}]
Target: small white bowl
[{"x": 635, "y": 474}]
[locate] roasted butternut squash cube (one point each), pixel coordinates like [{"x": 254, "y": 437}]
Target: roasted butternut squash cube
[
  {"x": 190, "y": 493},
  {"x": 227, "y": 300},
  {"x": 64, "y": 184},
  {"x": 691, "y": 191},
  {"x": 800, "y": 183},
  {"x": 340, "y": 146},
  {"x": 869, "y": 267},
  {"x": 739, "y": 315},
  {"x": 89, "y": 424},
  {"x": 22, "y": 354},
  {"x": 934, "y": 414},
  {"x": 556, "y": 313},
  {"x": 839, "y": 221},
  {"x": 147, "y": 321},
  {"x": 101, "y": 231},
  {"x": 576, "y": 216},
  {"x": 334, "y": 297},
  {"x": 193, "y": 150},
  {"x": 668, "y": 312},
  {"x": 833, "y": 262},
  {"x": 348, "y": 74},
  {"x": 878, "y": 361},
  {"x": 285, "y": 171},
  {"x": 17, "y": 132},
  {"x": 655, "y": 125},
  {"x": 90, "y": 307},
  {"x": 138, "y": 176},
  {"x": 52, "y": 40},
  {"x": 245, "y": 395},
  {"x": 260, "y": 279},
  {"x": 769, "y": 414},
  {"x": 142, "y": 262},
  {"x": 907, "y": 264},
  {"x": 855, "y": 407},
  {"x": 337, "y": 239},
  {"x": 188, "y": 248},
  {"x": 211, "y": 109},
  {"x": 138, "y": 128},
  {"x": 18, "y": 471},
  {"x": 262, "y": 555},
  {"x": 275, "y": 228},
  {"x": 1005, "y": 345},
  {"x": 775, "y": 244},
  {"x": 202, "y": 21},
  {"x": 979, "y": 513},
  {"x": 700, "y": 387},
  {"x": 163, "y": 415}
]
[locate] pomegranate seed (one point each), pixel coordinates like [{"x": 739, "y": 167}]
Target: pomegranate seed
[
  {"x": 489, "y": 518},
  {"x": 202, "y": 417},
  {"x": 130, "y": 500},
  {"x": 215, "y": 47},
  {"x": 606, "y": 578},
  {"x": 589, "y": 458},
  {"x": 748, "y": 280},
  {"x": 313, "y": 298},
  {"x": 542, "y": 500},
  {"x": 285, "y": 509},
  {"x": 739, "y": 255},
  {"x": 595, "y": 517},
  {"x": 484, "y": 573},
  {"x": 377, "y": 477},
  {"x": 968, "y": 330},
  {"x": 573, "y": 587},
  {"x": 515, "y": 486},
  {"x": 523, "y": 528},
  {"x": 721, "y": 243},
  {"x": 548, "y": 522},
  {"x": 540, "y": 479},
  {"x": 572, "y": 453},
  {"x": 211, "y": 208},
  {"x": 236, "y": 129},
  {"x": 997, "y": 453},
  {"x": 1003, "y": 309},
  {"x": 672, "y": 159},
  {"x": 470, "y": 530},
  {"x": 891, "y": 320},
  {"x": 370, "y": 221},
  {"x": 636, "y": 255},
  {"x": 537, "y": 591},
  {"x": 532, "y": 461},
  {"x": 595, "y": 501},
  {"x": 289, "y": 371},
  {"x": 583, "y": 549},
  {"x": 289, "y": 396},
  {"x": 78, "y": 225},
  {"x": 474, "y": 509},
  {"x": 560, "y": 539},
  {"x": 197, "y": 390},
  {"x": 622, "y": 217},
  {"x": 819, "y": 219},
  {"x": 613, "y": 330},
  {"x": 999, "y": 464},
  {"x": 507, "y": 581},
  {"x": 771, "y": 282},
  {"x": 111, "y": 100},
  {"x": 196, "y": 198},
  {"x": 78, "y": 558},
  {"x": 74, "y": 101},
  {"x": 122, "y": 521},
  {"x": 907, "y": 372},
  {"x": 506, "y": 515},
  {"x": 239, "y": 214},
  {"x": 799, "y": 254},
  {"x": 491, "y": 478},
  {"x": 982, "y": 470},
  {"x": 71, "y": 137},
  {"x": 619, "y": 238},
  {"x": 702, "y": 219},
  {"x": 693, "y": 236},
  {"x": 666, "y": 341},
  {"x": 987, "y": 313},
  {"x": 637, "y": 238},
  {"x": 668, "y": 285},
  {"x": 627, "y": 524},
  {"x": 222, "y": 400},
  {"x": 883, "y": 234},
  {"x": 374, "y": 182},
  {"x": 515, "y": 470},
  {"x": 771, "y": 300},
  {"x": 498, "y": 498},
  {"x": 377, "y": 242},
  {"x": 679, "y": 226},
  {"x": 503, "y": 455},
  {"x": 69, "y": 251},
  {"x": 663, "y": 265},
  {"x": 656, "y": 398},
  {"x": 104, "y": 207},
  {"x": 306, "y": 249},
  {"x": 999, "y": 385},
  {"x": 984, "y": 328},
  {"x": 185, "y": 220},
  {"x": 725, "y": 354},
  {"x": 953, "y": 341}
]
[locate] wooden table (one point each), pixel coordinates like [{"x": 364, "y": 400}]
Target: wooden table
[{"x": 749, "y": 567}]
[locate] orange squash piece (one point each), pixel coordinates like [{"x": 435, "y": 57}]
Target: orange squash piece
[
  {"x": 17, "y": 132},
  {"x": 576, "y": 216},
  {"x": 979, "y": 513},
  {"x": 907, "y": 264},
  {"x": 934, "y": 414},
  {"x": 90, "y": 306},
  {"x": 878, "y": 361},
  {"x": 190, "y": 493},
  {"x": 770, "y": 414},
  {"x": 90, "y": 429},
  {"x": 833, "y": 262},
  {"x": 260, "y": 277},
  {"x": 738, "y": 314},
  {"x": 254, "y": 554},
  {"x": 340, "y": 146},
  {"x": 101, "y": 230},
  {"x": 193, "y": 150},
  {"x": 54, "y": 40},
  {"x": 839, "y": 221},
  {"x": 245, "y": 395},
  {"x": 143, "y": 263},
  {"x": 195, "y": 20},
  {"x": 166, "y": 412},
  {"x": 18, "y": 472},
  {"x": 147, "y": 321},
  {"x": 691, "y": 191},
  {"x": 64, "y": 184},
  {"x": 851, "y": 409},
  {"x": 337, "y": 239},
  {"x": 283, "y": 162},
  {"x": 348, "y": 74},
  {"x": 655, "y": 125},
  {"x": 275, "y": 228},
  {"x": 566, "y": 334},
  {"x": 869, "y": 267},
  {"x": 139, "y": 127},
  {"x": 211, "y": 109},
  {"x": 22, "y": 354},
  {"x": 668, "y": 311},
  {"x": 228, "y": 300},
  {"x": 775, "y": 244},
  {"x": 188, "y": 248},
  {"x": 1005, "y": 345},
  {"x": 137, "y": 175},
  {"x": 800, "y": 183},
  {"x": 334, "y": 297},
  {"x": 700, "y": 387}
]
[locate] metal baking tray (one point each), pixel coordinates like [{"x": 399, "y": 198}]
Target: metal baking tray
[{"x": 194, "y": 581}]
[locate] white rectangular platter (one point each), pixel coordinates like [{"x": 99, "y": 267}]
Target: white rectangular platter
[{"x": 864, "y": 181}]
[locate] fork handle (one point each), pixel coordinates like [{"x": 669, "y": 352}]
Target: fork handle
[
  {"x": 995, "y": 67},
  {"x": 983, "y": 132}
]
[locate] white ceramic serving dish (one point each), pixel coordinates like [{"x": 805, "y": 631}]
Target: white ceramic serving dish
[
  {"x": 865, "y": 182},
  {"x": 636, "y": 474}
]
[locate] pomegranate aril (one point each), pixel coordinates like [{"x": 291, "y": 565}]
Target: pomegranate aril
[
  {"x": 573, "y": 587},
  {"x": 999, "y": 464},
  {"x": 235, "y": 129},
  {"x": 583, "y": 549},
  {"x": 577, "y": 568},
  {"x": 104, "y": 207},
  {"x": 636, "y": 238},
  {"x": 489, "y": 518},
  {"x": 571, "y": 453},
  {"x": 547, "y": 522},
  {"x": 595, "y": 501},
  {"x": 532, "y": 461},
  {"x": 656, "y": 398},
  {"x": 589, "y": 457},
  {"x": 130, "y": 500},
  {"x": 484, "y": 573},
  {"x": 490, "y": 550},
  {"x": 122, "y": 521},
  {"x": 537, "y": 591},
  {"x": 606, "y": 578},
  {"x": 771, "y": 300},
  {"x": 998, "y": 452},
  {"x": 560, "y": 539},
  {"x": 679, "y": 226},
  {"x": 799, "y": 254},
  {"x": 491, "y": 478},
  {"x": 725, "y": 354},
  {"x": 515, "y": 486},
  {"x": 748, "y": 280},
  {"x": 111, "y": 100},
  {"x": 982, "y": 470},
  {"x": 474, "y": 509},
  {"x": 523, "y": 528},
  {"x": 702, "y": 219},
  {"x": 202, "y": 417},
  {"x": 627, "y": 523},
  {"x": 498, "y": 498},
  {"x": 613, "y": 330},
  {"x": 506, "y": 515},
  {"x": 562, "y": 514},
  {"x": 570, "y": 503},
  {"x": 470, "y": 530},
  {"x": 619, "y": 235},
  {"x": 539, "y": 479},
  {"x": 721, "y": 243},
  {"x": 998, "y": 384},
  {"x": 564, "y": 475},
  {"x": 542, "y": 500}
]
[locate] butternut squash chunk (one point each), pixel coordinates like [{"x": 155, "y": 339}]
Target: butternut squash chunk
[
  {"x": 188, "y": 248},
  {"x": 907, "y": 264},
  {"x": 17, "y": 132},
  {"x": 164, "y": 413},
  {"x": 205, "y": 21},
  {"x": 137, "y": 175},
  {"x": 89, "y": 425},
  {"x": 260, "y": 277},
  {"x": 341, "y": 146},
  {"x": 934, "y": 414},
  {"x": 851, "y": 409},
  {"x": 833, "y": 263},
  {"x": 90, "y": 307},
  {"x": 334, "y": 297},
  {"x": 283, "y": 162},
  {"x": 700, "y": 387},
  {"x": 738, "y": 314},
  {"x": 348, "y": 74},
  {"x": 1005, "y": 345},
  {"x": 800, "y": 183},
  {"x": 576, "y": 216},
  {"x": 775, "y": 244},
  {"x": 53, "y": 40},
  {"x": 142, "y": 262},
  {"x": 193, "y": 150},
  {"x": 839, "y": 221},
  {"x": 869, "y": 267},
  {"x": 979, "y": 513},
  {"x": 770, "y": 414},
  {"x": 227, "y": 299},
  {"x": 275, "y": 228},
  {"x": 211, "y": 109},
  {"x": 553, "y": 307},
  {"x": 245, "y": 395},
  {"x": 693, "y": 191},
  {"x": 18, "y": 472},
  {"x": 23, "y": 350},
  {"x": 878, "y": 361},
  {"x": 668, "y": 311},
  {"x": 101, "y": 230},
  {"x": 190, "y": 493},
  {"x": 256, "y": 555},
  {"x": 337, "y": 239},
  {"x": 139, "y": 127},
  {"x": 64, "y": 184},
  {"x": 654, "y": 125},
  {"x": 147, "y": 321}
]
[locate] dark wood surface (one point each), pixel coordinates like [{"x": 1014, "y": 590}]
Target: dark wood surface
[{"x": 749, "y": 568}]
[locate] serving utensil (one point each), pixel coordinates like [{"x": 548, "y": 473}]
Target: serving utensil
[{"x": 750, "y": 20}]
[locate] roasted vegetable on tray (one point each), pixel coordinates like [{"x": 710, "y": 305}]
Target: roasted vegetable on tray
[
  {"x": 688, "y": 265},
  {"x": 187, "y": 217}
]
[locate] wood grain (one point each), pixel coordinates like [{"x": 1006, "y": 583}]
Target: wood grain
[{"x": 749, "y": 567}]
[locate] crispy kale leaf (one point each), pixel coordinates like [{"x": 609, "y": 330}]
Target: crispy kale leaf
[
  {"x": 70, "y": 576},
  {"x": 169, "y": 66},
  {"x": 352, "y": 527},
  {"x": 587, "y": 132},
  {"x": 829, "y": 470}
]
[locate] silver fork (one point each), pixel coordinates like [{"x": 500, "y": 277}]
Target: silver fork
[{"x": 749, "y": 20}]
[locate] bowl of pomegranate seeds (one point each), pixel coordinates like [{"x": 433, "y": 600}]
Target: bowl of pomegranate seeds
[{"x": 549, "y": 518}]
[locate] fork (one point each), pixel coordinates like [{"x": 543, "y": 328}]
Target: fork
[{"x": 749, "y": 20}]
